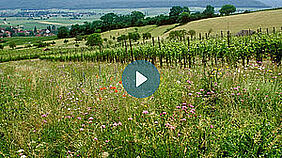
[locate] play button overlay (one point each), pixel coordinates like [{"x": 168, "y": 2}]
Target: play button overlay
[{"x": 140, "y": 79}]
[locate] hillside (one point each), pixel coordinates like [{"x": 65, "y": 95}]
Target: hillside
[
  {"x": 78, "y": 4},
  {"x": 273, "y": 3},
  {"x": 235, "y": 23}
]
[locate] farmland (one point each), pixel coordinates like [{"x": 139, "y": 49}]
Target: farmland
[
  {"x": 219, "y": 94},
  {"x": 217, "y": 97},
  {"x": 235, "y": 23}
]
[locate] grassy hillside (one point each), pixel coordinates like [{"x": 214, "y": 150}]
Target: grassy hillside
[
  {"x": 153, "y": 29},
  {"x": 235, "y": 23}
]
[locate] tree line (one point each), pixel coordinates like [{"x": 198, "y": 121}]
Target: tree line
[{"x": 112, "y": 21}]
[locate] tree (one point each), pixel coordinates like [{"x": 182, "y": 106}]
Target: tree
[
  {"x": 94, "y": 40},
  {"x": 109, "y": 20},
  {"x": 122, "y": 38},
  {"x": 227, "y": 9},
  {"x": 209, "y": 11},
  {"x": 12, "y": 45},
  {"x": 178, "y": 34},
  {"x": 192, "y": 33},
  {"x": 75, "y": 30},
  {"x": 63, "y": 32},
  {"x": 134, "y": 36},
  {"x": 177, "y": 10},
  {"x": 146, "y": 35},
  {"x": 184, "y": 17},
  {"x": 78, "y": 38},
  {"x": 135, "y": 16}
]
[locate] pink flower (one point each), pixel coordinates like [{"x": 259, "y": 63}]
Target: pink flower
[
  {"x": 163, "y": 113},
  {"x": 156, "y": 122},
  {"x": 79, "y": 118},
  {"x": 198, "y": 93},
  {"x": 211, "y": 126},
  {"x": 81, "y": 129},
  {"x": 145, "y": 112},
  {"x": 232, "y": 94},
  {"x": 172, "y": 127},
  {"x": 44, "y": 115},
  {"x": 44, "y": 121},
  {"x": 103, "y": 126},
  {"x": 68, "y": 117},
  {"x": 107, "y": 141},
  {"x": 190, "y": 94},
  {"x": 184, "y": 107},
  {"x": 115, "y": 124},
  {"x": 202, "y": 90},
  {"x": 184, "y": 103},
  {"x": 129, "y": 119},
  {"x": 119, "y": 123},
  {"x": 191, "y": 105},
  {"x": 90, "y": 122},
  {"x": 167, "y": 124},
  {"x": 183, "y": 119},
  {"x": 189, "y": 81},
  {"x": 95, "y": 139},
  {"x": 178, "y": 107},
  {"x": 90, "y": 118},
  {"x": 257, "y": 89}
]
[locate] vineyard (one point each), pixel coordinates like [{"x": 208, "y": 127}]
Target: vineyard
[
  {"x": 218, "y": 97},
  {"x": 212, "y": 51}
]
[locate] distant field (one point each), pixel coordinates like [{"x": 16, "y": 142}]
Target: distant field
[
  {"x": 26, "y": 40},
  {"x": 235, "y": 23}
]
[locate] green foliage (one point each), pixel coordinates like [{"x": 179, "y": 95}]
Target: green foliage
[
  {"x": 146, "y": 35},
  {"x": 184, "y": 17},
  {"x": 135, "y": 17},
  {"x": 94, "y": 40},
  {"x": 227, "y": 9},
  {"x": 66, "y": 41},
  {"x": 134, "y": 36},
  {"x": 178, "y": 34},
  {"x": 63, "y": 32},
  {"x": 122, "y": 38},
  {"x": 12, "y": 44},
  {"x": 41, "y": 44},
  {"x": 78, "y": 38},
  {"x": 192, "y": 32},
  {"x": 1, "y": 46},
  {"x": 209, "y": 11}
]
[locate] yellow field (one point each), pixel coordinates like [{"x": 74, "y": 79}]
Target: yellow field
[{"x": 235, "y": 23}]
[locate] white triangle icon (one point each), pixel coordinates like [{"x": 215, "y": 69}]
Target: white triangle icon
[{"x": 140, "y": 79}]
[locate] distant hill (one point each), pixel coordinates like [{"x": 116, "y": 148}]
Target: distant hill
[
  {"x": 273, "y": 3},
  {"x": 91, "y": 4}
]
